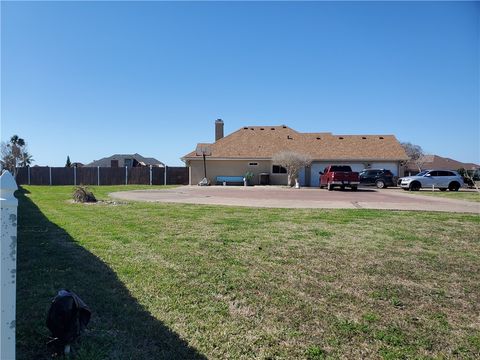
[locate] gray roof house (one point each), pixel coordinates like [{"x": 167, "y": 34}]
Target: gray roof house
[{"x": 128, "y": 160}]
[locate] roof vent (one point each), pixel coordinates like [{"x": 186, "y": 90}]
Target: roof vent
[
  {"x": 380, "y": 137},
  {"x": 262, "y": 129},
  {"x": 363, "y": 137},
  {"x": 245, "y": 128},
  {"x": 252, "y": 129},
  {"x": 340, "y": 137},
  {"x": 284, "y": 126},
  {"x": 319, "y": 138},
  {"x": 272, "y": 128},
  {"x": 289, "y": 137}
]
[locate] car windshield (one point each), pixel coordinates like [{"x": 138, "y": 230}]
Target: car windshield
[{"x": 422, "y": 173}]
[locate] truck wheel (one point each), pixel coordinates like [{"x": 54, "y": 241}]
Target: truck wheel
[
  {"x": 321, "y": 186},
  {"x": 380, "y": 184},
  {"x": 329, "y": 187},
  {"x": 354, "y": 187}
]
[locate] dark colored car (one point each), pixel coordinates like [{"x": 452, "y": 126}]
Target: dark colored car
[{"x": 381, "y": 178}]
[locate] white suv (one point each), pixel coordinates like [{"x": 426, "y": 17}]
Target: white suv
[{"x": 441, "y": 179}]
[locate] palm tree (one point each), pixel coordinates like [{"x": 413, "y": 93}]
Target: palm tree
[
  {"x": 15, "y": 140},
  {"x": 25, "y": 159}
]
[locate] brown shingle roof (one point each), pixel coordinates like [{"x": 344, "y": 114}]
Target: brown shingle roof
[
  {"x": 440, "y": 163},
  {"x": 262, "y": 142}
]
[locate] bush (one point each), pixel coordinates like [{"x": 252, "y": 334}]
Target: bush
[{"x": 83, "y": 195}]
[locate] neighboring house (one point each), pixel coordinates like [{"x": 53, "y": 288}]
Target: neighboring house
[
  {"x": 128, "y": 160},
  {"x": 437, "y": 162},
  {"x": 251, "y": 148}
]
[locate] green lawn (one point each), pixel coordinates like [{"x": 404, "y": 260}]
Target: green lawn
[
  {"x": 190, "y": 281},
  {"x": 458, "y": 195}
]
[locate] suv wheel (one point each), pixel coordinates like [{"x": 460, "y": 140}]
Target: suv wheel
[
  {"x": 454, "y": 186},
  {"x": 415, "y": 186},
  {"x": 380, "y": 184},
  {"x": 329, "y": 187}
]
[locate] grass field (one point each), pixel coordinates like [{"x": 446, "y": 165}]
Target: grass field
[
  {"x": 191, "y": 282},
  {"x": 458, "y": 195}
]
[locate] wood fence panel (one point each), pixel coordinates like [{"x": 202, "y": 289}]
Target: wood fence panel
[
  {"x": 39, "y": 175},
  {"x": 177, "y": 175},
  {"x": 112, "y": 176},
  {"x": 139, "y": 175},
  {"x": 22, "y": 176},
  {"x": 87, "y": 176},
  {"x": 158, "y": 175},
  {"x": 62, "y": 176}
]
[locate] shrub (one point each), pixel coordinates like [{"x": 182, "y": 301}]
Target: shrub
[{"x": 83, "y": 195}]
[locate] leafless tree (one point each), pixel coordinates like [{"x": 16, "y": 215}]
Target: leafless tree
[
  {"x": 293, "y": 162},
  {"x": 415, "y": 154}
]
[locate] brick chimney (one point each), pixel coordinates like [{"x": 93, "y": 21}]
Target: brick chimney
[{"x": 218, "y": 129}]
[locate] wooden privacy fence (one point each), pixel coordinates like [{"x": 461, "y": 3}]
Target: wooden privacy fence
[{"x": 45, "y": 175}]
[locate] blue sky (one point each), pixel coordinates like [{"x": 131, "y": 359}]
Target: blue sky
[{"x": 90, "y": 79}]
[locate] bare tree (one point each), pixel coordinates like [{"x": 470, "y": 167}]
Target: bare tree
[
  {"x": 415, "y": 154},
  {"x": 15, "y": 154},
  {"x": 293, "y": 162}
]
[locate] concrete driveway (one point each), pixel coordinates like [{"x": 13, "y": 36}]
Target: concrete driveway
[{"x": 281, "y": 197}]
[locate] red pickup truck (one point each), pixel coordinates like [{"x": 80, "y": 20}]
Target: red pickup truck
[{"x": 339, "y": 175}]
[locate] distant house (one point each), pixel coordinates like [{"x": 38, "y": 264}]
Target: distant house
[
  {"x": 128, "y": 160},
  {"x": 437, "y": 162},
  {"x": 251, "y": 148}
]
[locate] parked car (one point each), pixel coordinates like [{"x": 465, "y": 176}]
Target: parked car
[
  {"x": 441, "y": 179},
  {"x": 381, "y": 178},
  {"x": 339, "y": 175}
]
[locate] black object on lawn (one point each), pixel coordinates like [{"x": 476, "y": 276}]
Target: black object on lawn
[{"x": 67, "y": 318}]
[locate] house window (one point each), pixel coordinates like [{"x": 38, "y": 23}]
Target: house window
[
  {"x": 277, "y": 169},
  {"x": 128, "y": 162},
  {"x": 253, "y": 164}
]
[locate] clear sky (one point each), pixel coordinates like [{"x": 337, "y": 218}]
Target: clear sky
[{"x": 90, "y": 79}]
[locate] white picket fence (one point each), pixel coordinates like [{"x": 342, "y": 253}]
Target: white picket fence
[{"x": 8, "y": 265}]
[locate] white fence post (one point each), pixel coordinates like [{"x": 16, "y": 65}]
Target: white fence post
[
  {"x": 8, "y": 265},
  {"x": 126, "y": 175}
]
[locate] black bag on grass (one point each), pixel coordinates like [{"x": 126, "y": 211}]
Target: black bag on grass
[{"x": 67, "y": 317}]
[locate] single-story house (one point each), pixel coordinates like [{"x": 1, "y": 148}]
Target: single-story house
[
  {"x": 437, "y": 162},
  {"x": 251, "y": 148},
  {"x": 128, "y": 160}
]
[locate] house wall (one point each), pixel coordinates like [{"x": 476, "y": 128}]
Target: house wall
[
  {"x": 240, "y": 167},
  {"x": 233, "y": 168},
  {"x": 358, "y": 166}
]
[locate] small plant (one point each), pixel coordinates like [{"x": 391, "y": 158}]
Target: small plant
[
  {"x": 249, "y": 177},
  {"x": 83, "y": 195}
]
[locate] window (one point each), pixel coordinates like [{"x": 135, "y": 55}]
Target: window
[
  {"x": 128, "y": 163},
  {"x": 253, "y": 164},
  {"x": 277, "y": 169}
]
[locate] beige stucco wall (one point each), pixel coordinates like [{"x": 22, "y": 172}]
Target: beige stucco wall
[{"x": 233, "y": 168}]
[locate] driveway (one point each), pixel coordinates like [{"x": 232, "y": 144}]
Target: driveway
[{"x": 280, "y": 197}]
